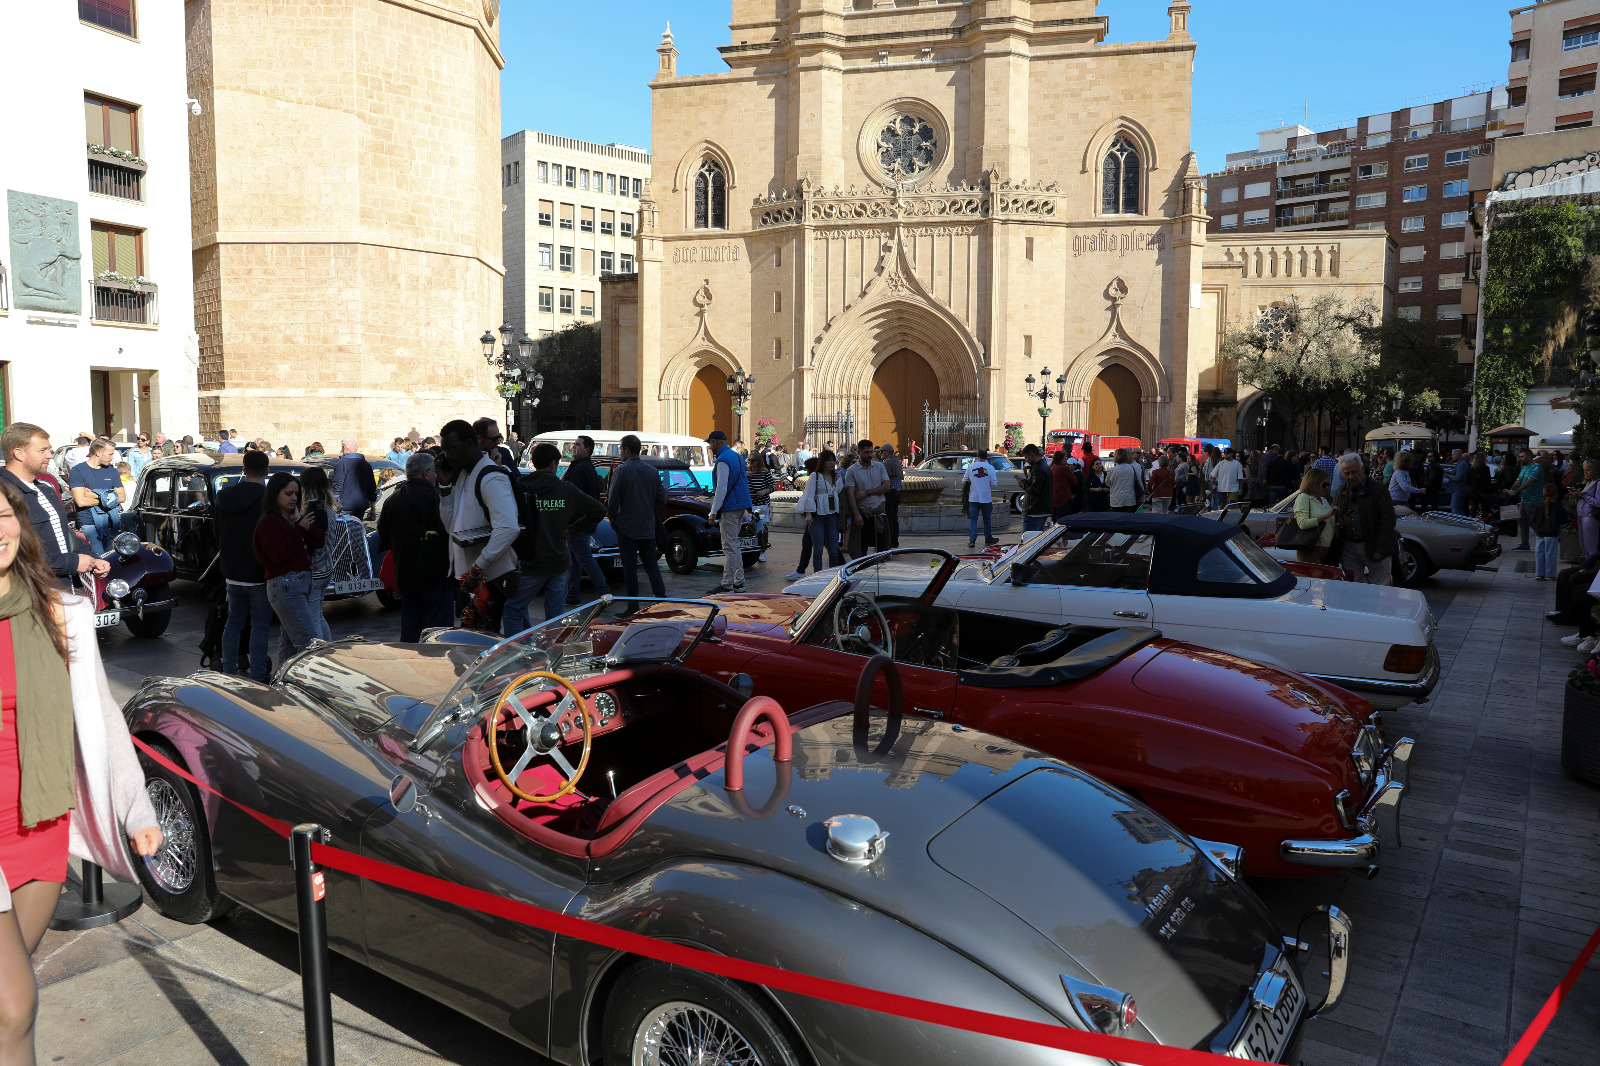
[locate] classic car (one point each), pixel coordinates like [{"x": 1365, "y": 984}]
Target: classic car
[
  {"x": 1295, "y": 771},
  {"x": 583, "y": 768},
  {"x": 1210, "y": 584},
  {"x": 173, "y": 511},
  {"x": 950, "y": 466},
  {"x": 1429, "y": 541},
  {"x": 691, "y": 534},
  {"x": 137, "y": 592}
]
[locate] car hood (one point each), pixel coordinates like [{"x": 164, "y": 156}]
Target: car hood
[
  {"x": 370, "y": 683},
  {"x": 1257, "y": 703},
  {"x": 1020, "y": 861}
]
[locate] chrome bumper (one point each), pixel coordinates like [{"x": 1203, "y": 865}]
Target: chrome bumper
[
  {"x": 1414, "y": 690},
  {"x": 119, "y": 611},
  {"x": 1379, "y": 820}
]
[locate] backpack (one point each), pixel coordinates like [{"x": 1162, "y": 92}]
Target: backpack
[{"x": 527, "y": 542}]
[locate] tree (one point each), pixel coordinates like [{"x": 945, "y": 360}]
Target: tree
[
  {"x": 1412, "y": 365},
  {"x": 1305, "y": 354},
  {"x": 570, "y": 362}
]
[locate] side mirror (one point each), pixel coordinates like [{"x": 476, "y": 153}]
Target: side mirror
[
  {"x": 743, "y": 684},
  {"x": 403, "y": 794}
]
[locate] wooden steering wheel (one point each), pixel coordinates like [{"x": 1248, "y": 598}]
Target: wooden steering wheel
[{"x": 543, "y": 735}]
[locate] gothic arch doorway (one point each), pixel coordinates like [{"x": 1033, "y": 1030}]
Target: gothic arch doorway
[
  {"x": 710, "y": 406},
  {"x": 1114, "y": 403},
  {"x": 900, "y": 386}
]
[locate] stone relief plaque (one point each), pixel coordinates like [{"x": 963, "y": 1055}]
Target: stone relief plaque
[
  {"x": 47, "y": 263},
  {"x": 706, "y": 253}
]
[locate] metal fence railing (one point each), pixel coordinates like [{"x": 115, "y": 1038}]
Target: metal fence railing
[
  {"x": 108, "y": 179},
  {"x": 841, "y": 429},
  {"x": 122, "y": 305},
  {"x": 944, "y": 431}
]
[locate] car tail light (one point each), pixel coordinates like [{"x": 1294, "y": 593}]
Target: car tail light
[
  {"x": 1105, "y": 1009},
  {"x": 1405, "y": 658}
]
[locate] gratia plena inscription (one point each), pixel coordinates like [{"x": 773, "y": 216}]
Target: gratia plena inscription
[
  {"x": 706, "y": 253},
  {"x": 1106, "y": 242}
]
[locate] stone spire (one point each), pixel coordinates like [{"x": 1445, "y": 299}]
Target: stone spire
[
  {"x": 669, "y": 55},
  {"x": 1179, "y": 13}
]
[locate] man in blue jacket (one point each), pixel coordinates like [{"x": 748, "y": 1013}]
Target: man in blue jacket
[{"x": 730, "y": 509}]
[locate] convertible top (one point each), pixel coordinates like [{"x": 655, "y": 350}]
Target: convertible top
[{"x": 1181, "y": 542}]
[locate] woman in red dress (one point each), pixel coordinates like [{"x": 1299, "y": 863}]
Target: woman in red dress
[{"x": 37, "y": 766}]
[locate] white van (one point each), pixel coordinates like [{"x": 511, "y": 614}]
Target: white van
[{"x": 691, "y": 450}]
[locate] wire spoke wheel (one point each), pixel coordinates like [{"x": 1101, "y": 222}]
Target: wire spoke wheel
[
  {"x": 174, "y": 865},
  {"x": 688, "y": 1034}
]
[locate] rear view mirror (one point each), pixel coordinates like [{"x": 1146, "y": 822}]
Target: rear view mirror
[{"x": 403, "y": 794}]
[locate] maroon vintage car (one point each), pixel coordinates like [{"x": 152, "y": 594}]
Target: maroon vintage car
[{"x": 1295, "y": 771}]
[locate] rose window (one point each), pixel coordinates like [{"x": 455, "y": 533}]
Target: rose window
[{"x": 906, "y": 146}]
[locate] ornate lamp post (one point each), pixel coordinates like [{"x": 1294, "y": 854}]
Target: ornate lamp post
[
  {"x": 1266, "y": 413},
  {"x": 1043, "y": 395},
  {"x": 740, "y": 388},
  {"x": 515, "y": 363}
]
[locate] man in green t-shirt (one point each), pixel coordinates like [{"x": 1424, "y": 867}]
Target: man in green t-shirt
[{"x": 1530, "y": 485}]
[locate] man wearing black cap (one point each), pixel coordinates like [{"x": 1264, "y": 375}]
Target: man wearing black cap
[{"x": 730, "y": 507}]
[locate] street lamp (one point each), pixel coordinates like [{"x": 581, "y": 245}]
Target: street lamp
[
  {"x": 740, "y": 387},
  {"x": 1266, "y": 413},
  {"x": 1398, "y": 400},
  {"x": 1043, "y": 395},
  {"x": 515, "y": 362}
]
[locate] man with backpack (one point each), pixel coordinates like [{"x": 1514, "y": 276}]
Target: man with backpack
[
  {"x": 237, "y": 510},
  {"x": 562, "y": 511},
  {"x": 479, "y": 506}
]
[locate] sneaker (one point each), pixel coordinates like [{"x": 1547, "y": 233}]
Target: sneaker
[
  {"x": 971, "y": 544},
  {"x": 991, "y": 541},
  {"x": 1588, "y": 646},
  {"x": 1522, "y": 548},
  {"x": 793, "y": 575},
  {"x": 1573, "y": 641},
  {"x": 1555, "y": 616},
  {"x": 721, "y": 588}
]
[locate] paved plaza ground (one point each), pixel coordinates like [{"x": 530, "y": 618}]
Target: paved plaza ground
[{"x": 1457, "y": 943}]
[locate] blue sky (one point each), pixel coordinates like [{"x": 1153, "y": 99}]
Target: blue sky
[{"x": 580, "y": 69}]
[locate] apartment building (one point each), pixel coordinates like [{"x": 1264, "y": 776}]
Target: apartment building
[
  {"x": 1555, "y": 46},
  {"x": 96, "y": 286},
  {"x": 571, "y": 215},
  {"x": 1403, "y": 171}
]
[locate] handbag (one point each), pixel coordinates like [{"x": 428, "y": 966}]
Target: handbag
[{"x": 1290, "y": 534}]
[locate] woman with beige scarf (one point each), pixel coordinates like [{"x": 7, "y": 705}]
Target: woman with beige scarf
[{"x": 63, "y": 746}]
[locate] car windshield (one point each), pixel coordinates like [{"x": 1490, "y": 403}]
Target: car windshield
[
  {"x": 903, "y": 575},
  {"x": 581, "y": 643},
  {"x": 679, "y": 481}
]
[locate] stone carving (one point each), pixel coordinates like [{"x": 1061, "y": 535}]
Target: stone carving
[
  {"x": 895, "y": 282},
  {"x": 1116, "y": 292},
  {"x": 1301, "y": 261},
  {"x": 47, "y": 260},
  {"x": 906, "y": 147},
  {"x": 914, "y": 200},
  {"x": 1107, "y": 242},
  {"x": 703, "y": 295}
]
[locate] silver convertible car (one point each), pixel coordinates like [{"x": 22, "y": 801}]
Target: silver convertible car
[
  {"x": 1429, "y": 541},
  {"x": 580, "y": 767}
]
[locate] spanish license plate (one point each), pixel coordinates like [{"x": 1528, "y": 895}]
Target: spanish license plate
[
  {"x": 107, "y": 619},
  {"x": 749, "y": 544},
  {"x": 357, "y": 586},
  {"x": 1265, "y": 1034}
]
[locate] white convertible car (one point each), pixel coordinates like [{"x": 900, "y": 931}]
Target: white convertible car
[{"x": 1209, "y": 584}]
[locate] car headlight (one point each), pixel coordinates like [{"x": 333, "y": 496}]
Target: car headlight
[
  {"x": 117, "y": 588},
  {"x": 126, "y": 544}
]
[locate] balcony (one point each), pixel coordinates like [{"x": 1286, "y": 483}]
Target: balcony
[
  {"x": 111, "y": 177},
  {"x": 113, "y": 15},
  {"x": 124, "y": 303},
  {"x": 1313, "y": 219},
  {"x": 1287, "y": 191}
]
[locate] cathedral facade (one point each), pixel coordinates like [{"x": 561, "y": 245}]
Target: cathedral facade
[{"x": 885, "y": 213}]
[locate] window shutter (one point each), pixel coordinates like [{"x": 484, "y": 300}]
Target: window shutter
[
  {"x": 94, "y": 125},
  {"x": 101, "y": 242},
  {"x": 126, "y": 254},
  {"x": 121, "y": 122}
]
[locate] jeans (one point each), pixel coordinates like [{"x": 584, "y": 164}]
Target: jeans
[
  {"x": 732, "y": 557},
  {"x": 1458, "y": 502},
  {"x": 1366, "y": 569},
  {"x": 891, "y": 503},
  {"x": 554, "y": 586},
  {"x": 247, "y": 606},
  {"x": 583, "y": 562},
  {"x": 1031, "y": 522},
  {"x": 100, "y": 535},
  {"x": 319, "y": 588},
  {"x": 642, "y": 553},
  {"x": 805, "y": 549},
  {"x": 1526, "y": 514},
  {"x": 426, "y": 607},
  {"x": 973, "y": 511},
  {"x": 824, "y": 531},
  {"x": 290, "y": 595},
  {"x": 1547, "y": 556}
]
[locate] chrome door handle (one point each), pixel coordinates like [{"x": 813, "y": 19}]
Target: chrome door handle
[{"x": 1129, "y": 614}]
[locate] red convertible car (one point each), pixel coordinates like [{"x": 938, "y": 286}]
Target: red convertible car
[{"x": 1296, "y": 772}]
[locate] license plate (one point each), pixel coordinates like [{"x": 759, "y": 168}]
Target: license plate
[
  {"x": 1265, "y": 1035},
  {"x": 107, "y": 619},
  {"x": 749, "y": 543},
  {"x": 357, "y": 586}
]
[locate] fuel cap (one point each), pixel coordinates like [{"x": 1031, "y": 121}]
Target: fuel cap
[{"x": 855, "y": 839}]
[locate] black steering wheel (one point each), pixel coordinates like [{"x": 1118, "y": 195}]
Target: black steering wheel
[{"x": 850, "y": 631}]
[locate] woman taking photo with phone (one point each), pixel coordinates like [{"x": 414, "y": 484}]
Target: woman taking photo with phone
[
  {"x": 285, "y": 540},
  {"x": 53, "y": 695}
]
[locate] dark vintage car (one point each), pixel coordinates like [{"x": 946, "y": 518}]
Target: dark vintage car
[
  {"x": 691, "y": 535},
  {"x": 137, "y": 592},
  {"x": 1294, "y": 770},
  {"x": 913, "y": 856},
  {"x": 173, "y": 510}
]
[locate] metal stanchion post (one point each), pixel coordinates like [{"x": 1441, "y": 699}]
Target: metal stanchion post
[
  {"x": 309, "y": 890},
  {"x": 95, "y": 903}
]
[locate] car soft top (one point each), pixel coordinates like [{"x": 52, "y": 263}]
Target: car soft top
[{"x": 1181, "y": 541}]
